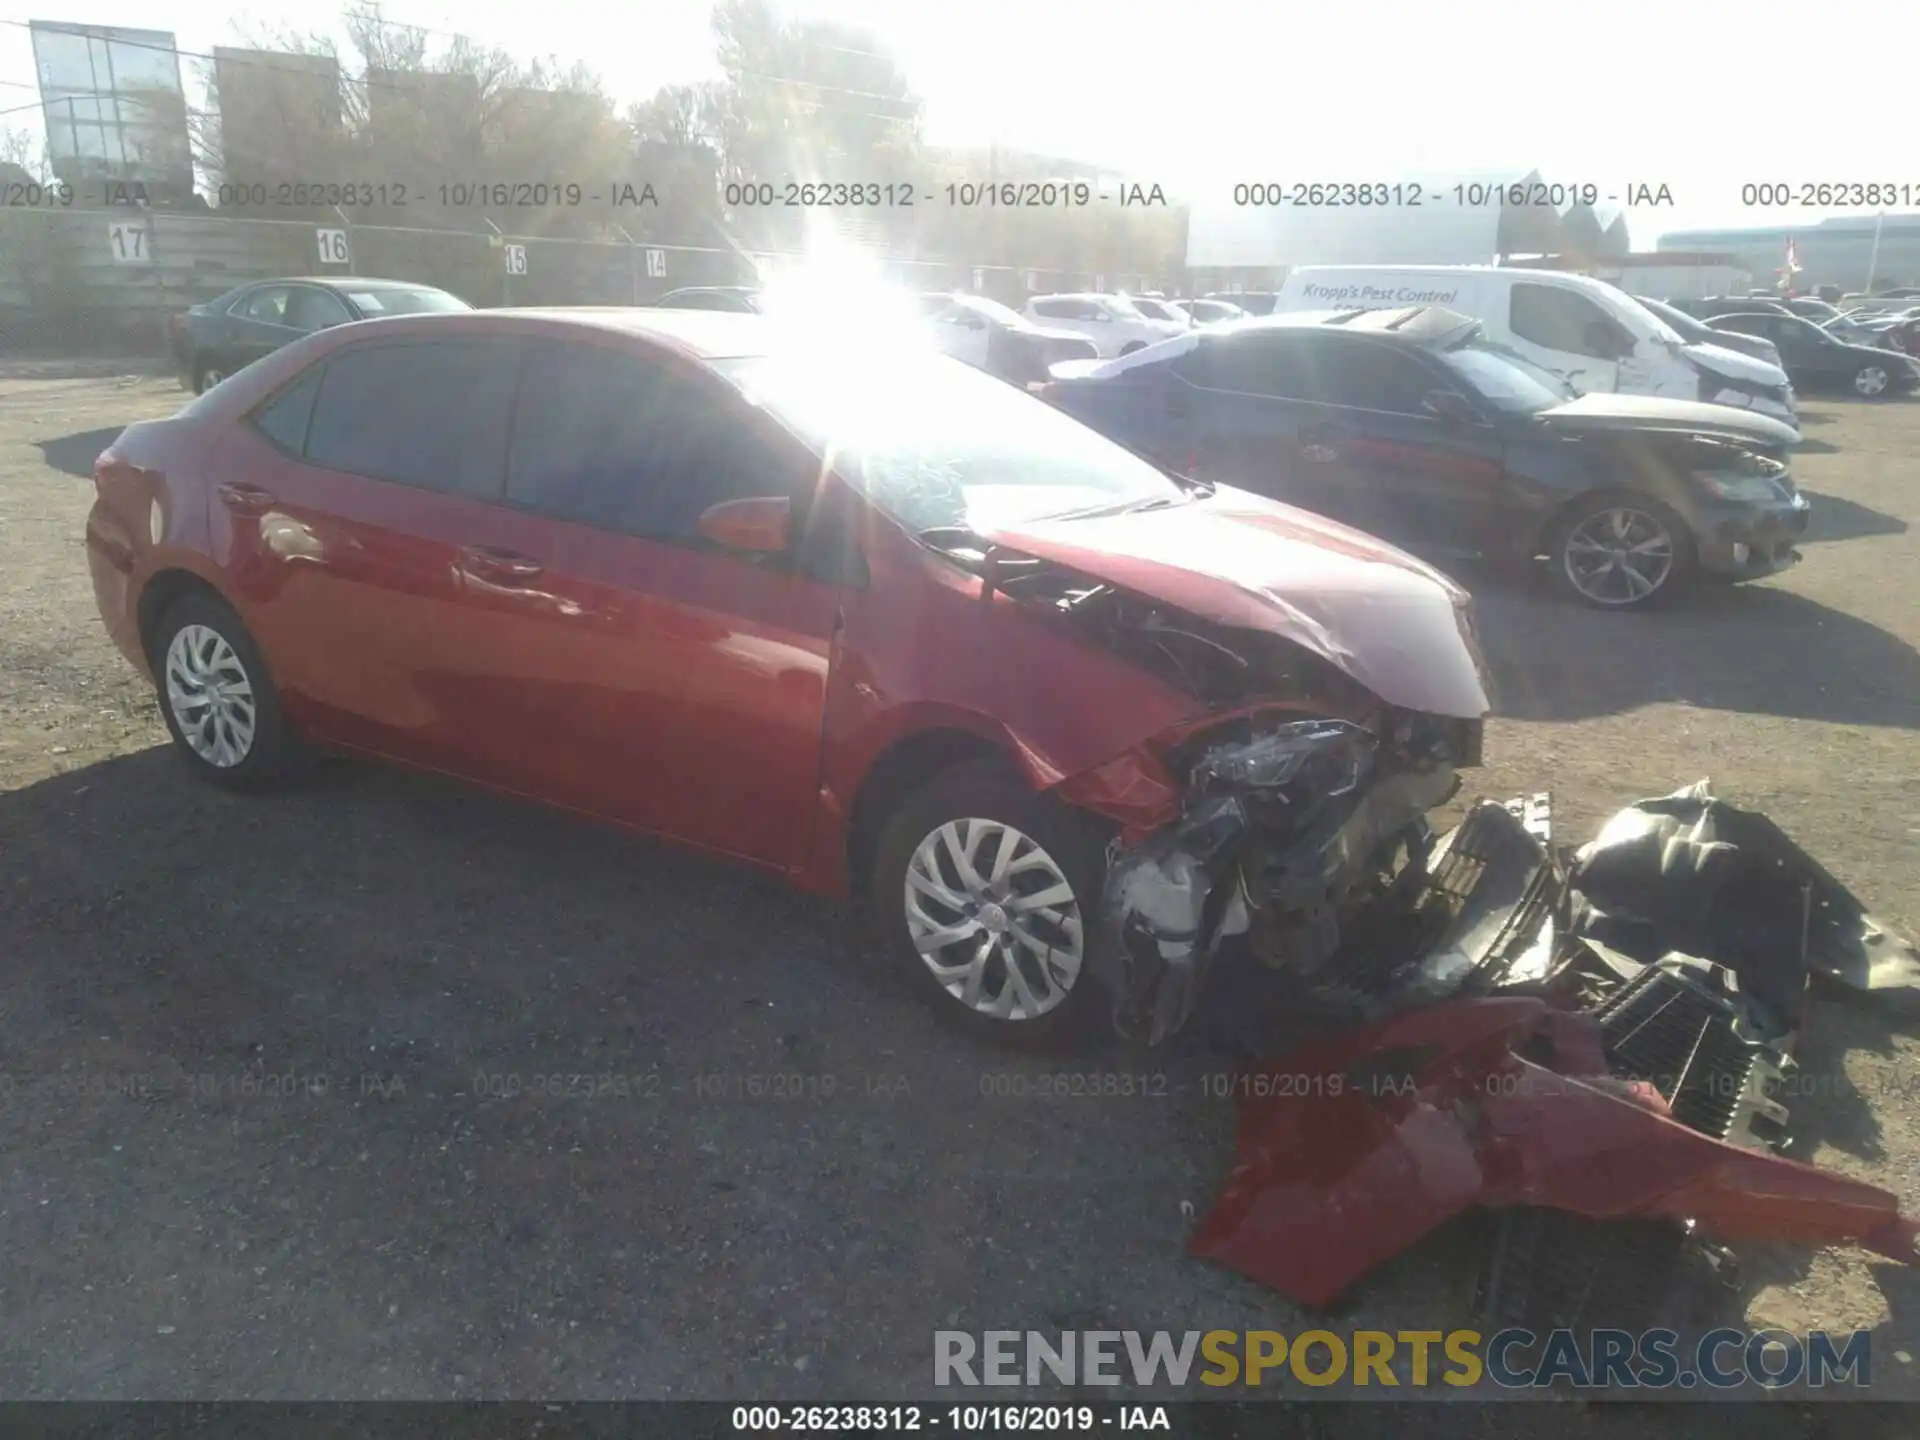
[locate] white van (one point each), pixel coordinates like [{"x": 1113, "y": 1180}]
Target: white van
[{"x": 1596, "y": 337}]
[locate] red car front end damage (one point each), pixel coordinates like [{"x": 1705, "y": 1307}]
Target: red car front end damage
[{"x": 1270, "y": 706}]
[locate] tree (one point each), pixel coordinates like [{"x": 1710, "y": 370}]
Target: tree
[
  {"x": 21, "y": 149},
  {"x": 806, "y": 101},
  {"x": 676, "y": 150}
]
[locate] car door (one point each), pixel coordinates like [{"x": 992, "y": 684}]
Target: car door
[
  {"x": 346, "y": 508},
  {"x": 1407, "y": 465},
  {"x": 1234, "y": 407},
  {"x": 637, "y": 670},
  {"x": 1806, "y": 347},
  {"x": 1567, "y": 333},
  {"x": 257, "y": 325}
]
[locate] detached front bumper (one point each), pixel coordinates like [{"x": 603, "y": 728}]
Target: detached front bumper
[
  {"x": 1603, "y": 1036},
  {"x": 1746, "y": 542}
]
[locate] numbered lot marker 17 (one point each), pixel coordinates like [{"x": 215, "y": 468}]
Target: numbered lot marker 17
[{"x": 130, "y": 242}]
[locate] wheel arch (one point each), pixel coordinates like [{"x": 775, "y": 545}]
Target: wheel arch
[
  {"x": 903, "y": 766},
  {"x": 164, "y": 589}
]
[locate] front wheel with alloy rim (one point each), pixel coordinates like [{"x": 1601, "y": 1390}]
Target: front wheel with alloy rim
[
  {"x": 1871, "y": 381},
  {"x": 206, "y": 377},
  {"x": 1621, "y": 552},
  {"x": 217, "y": 698},
  {"x": 988, "y": 893}
]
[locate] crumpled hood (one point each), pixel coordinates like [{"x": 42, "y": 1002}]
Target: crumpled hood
[
  {"x": 1391, "y": 622},
  {"x": 1600, "y": 411}
]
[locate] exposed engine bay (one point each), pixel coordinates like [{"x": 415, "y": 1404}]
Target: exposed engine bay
[
  {"x": 1284, "y": 834},
  {"x": 1269, "y": 826},
  {"x": 1567, "y": 1039}
]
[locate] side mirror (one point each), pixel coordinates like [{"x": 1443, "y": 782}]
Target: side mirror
[
  {"x": 760, "y": 526},
  {"x": 1450, "y": 406}
]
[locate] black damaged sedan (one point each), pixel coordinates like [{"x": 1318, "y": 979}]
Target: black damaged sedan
[
  {"x": 212, "y": 340},
  {"x": 1413, "y": 426}
]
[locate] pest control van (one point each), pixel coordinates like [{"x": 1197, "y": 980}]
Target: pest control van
[{"x": 1597, "y": 338}]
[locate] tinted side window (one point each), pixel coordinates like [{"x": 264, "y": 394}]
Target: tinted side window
[
  {"x": 432, "y": 413},
  {"x": 622, "y": 444},
  {"x": 1272, "y": 365},
  {"x": 283, "y": 419},
  {"x": 1053, "y": 309},
  {"x": 268, "y": 305},
  {"x": 1366, "y": 375},
  {"x": 1557, "y": 319},
  {"x": 309, "y": 310}
]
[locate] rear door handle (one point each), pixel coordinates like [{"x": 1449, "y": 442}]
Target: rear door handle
[
  {"x": 245, "y": 499},
  {"x": 487, "y": 563}
]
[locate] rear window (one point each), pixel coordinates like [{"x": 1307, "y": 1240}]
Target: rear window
[
  {"x": 373, "y": 303},
  {"x": 284, "y": 419}
]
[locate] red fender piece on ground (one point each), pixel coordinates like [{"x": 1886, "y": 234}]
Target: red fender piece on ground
[{"x": 1352, "y": 1150}]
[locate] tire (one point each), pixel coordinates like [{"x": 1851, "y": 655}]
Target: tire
[
  {"x": 1872, "y": 381},
  {"x": 1589, "y": 521},
  {"x": 1055, "y": 846},
  {"x": 205, "y": 376},
  {"x": 199, "y": 636}
]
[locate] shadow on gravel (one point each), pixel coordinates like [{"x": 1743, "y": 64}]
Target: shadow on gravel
[
  {"x": 414, "y": 1061},
  {"x": 1833, "y": 518},
  {"x": 74, "y": 454},
  {"x": 1755, "y": 649}
]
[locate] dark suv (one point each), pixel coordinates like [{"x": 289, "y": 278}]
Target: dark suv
[{"x": 1412, "y": 425}]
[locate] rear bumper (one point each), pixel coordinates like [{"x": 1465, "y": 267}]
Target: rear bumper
[
  {"x": 110, "y": 561},
  {"x": 1746, "y": 542}
]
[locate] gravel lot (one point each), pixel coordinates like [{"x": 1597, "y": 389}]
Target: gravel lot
[{"x": 310, "y": 1192}]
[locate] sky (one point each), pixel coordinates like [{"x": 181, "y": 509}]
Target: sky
[{"x": 1197, "y": 95}]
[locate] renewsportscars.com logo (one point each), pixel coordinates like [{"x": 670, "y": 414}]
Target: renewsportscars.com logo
[{"x": 1511, "y": 1359}]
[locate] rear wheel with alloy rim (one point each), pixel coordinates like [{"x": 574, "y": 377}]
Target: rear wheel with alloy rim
[
  {"x": 989, "y": 894},
  {"x": 1871, "y": 381},
  {"x": 217, "y": 698},
  {"x": 1621, "y": 552}
]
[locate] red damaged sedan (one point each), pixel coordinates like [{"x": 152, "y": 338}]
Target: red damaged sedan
[{"x": 871, "y": 620}]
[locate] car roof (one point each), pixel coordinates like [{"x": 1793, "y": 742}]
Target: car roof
[
  {"x": 1406, "y": 324},
  {"x": 348, "y": 282}
]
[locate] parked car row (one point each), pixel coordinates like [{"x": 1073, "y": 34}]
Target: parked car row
[
  {"x": 1820, "y": 346},
  {"x": 680, "y": 570}
]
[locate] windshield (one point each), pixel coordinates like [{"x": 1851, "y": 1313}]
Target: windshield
[
  {"x": 1505, "y": 377},
  {"x": 393, "y": 300},
  {"x": 1662, "y": 331},
  {"x": 935, "y": 443},
  {"x": 1683, "y": 324}
]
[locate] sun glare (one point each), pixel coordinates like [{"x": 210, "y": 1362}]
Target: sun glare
[{"x": 836, "y": 294}]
